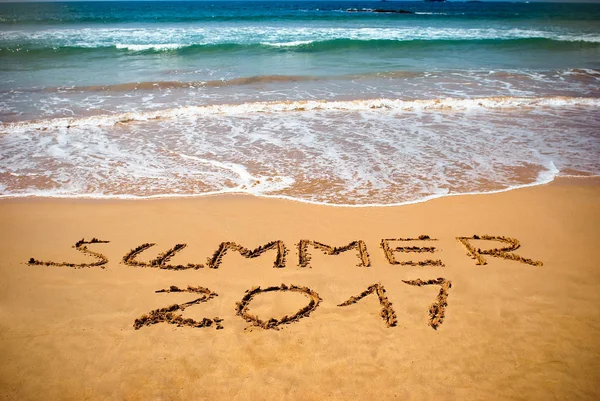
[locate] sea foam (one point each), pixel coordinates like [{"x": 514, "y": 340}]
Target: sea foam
[
  {"x": 303, "y": 106},
  {"x": 367, "y": 152}
]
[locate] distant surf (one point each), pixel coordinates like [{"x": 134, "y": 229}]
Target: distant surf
[{"x": 201, "y": 40}]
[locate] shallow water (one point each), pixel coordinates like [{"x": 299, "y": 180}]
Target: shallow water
[{"x": 302, "y": 100}]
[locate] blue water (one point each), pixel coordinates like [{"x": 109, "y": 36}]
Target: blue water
[
  {"x": 87, "y": 65},
  {"x": 56, "y": 46}
]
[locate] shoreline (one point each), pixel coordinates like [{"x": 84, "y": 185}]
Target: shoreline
[
  {"x": 556, "y": 180},
  {"x": 304, "y": 161}
]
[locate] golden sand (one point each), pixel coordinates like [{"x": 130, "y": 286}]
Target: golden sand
[{"x": 235, "y": 297}]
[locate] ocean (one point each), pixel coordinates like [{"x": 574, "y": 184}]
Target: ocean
[{"x": 329, "y": 102}]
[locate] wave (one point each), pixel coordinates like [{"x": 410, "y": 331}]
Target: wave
[
  {"x": 293, "y": 43},
  {"x": 160, "y": 85},
  {"x": 255, "y": 35},
  {"x": 309, "y": 46},
  {"x": 137, "y": 48},
  {"x": 572, "y": 73},
  {"x": 446, "y": 104}
]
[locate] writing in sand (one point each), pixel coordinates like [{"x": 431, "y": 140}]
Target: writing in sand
[{"x": 390, "y": 247}]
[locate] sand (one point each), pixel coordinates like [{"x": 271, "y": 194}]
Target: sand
[{"x": 349, "y": 325}]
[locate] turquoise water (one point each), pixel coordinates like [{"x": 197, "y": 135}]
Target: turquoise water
[{"x": 522, "y": 79}]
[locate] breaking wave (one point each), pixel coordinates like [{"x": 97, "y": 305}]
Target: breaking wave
[{"x": 449, "y": 104}]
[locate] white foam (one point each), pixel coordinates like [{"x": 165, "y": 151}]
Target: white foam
[
  {"x": 288, "y": 44},
  {"x": 350, "y": 155},
  {"x": 545, "y": 177},
  {"x": 247, "y": 183},
  {"x": 159, "y": 37},
  {"x": 450, "y": 104},
  {"x": 139, "y": 48}
]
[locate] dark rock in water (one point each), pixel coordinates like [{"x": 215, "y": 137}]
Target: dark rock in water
[
  {"x": 393, "y": 11},
  {"x": 378, "y": 10}
]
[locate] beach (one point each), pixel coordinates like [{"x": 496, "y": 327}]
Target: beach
[
  {"x": 509, "y": 329},
  {"x": 303, "y": 200}
]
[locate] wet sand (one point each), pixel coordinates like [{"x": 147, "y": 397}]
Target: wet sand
[{"x": 408, "y": 302}]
